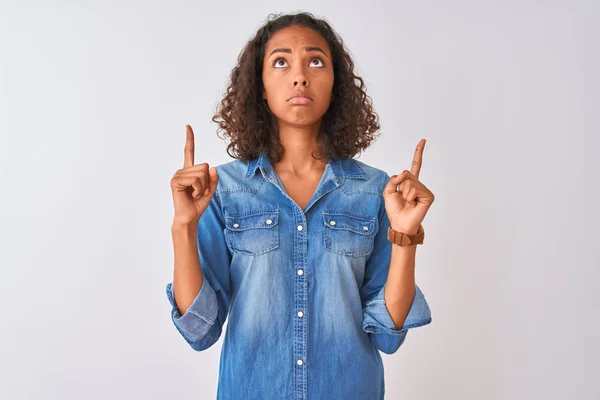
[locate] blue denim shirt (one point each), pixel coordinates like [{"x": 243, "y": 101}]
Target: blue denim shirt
[{"x": 303, "y": 289}]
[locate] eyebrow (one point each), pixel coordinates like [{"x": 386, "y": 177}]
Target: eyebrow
[{"x": 310, "y": 48}]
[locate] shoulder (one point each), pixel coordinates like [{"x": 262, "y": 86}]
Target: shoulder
[
  {"x": 373, "y": 178},
  {"x": 233, "y": 177},
  {"x": 234, "y": 169}
]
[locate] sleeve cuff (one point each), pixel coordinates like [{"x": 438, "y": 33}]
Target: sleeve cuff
[
  {"x": 200, "y": 315},
  {"x": 378, "y": 320}
]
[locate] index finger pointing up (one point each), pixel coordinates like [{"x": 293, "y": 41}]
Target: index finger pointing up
[
  {"x": 188, "y": 152},
  {"x": 415, "y": 168}
]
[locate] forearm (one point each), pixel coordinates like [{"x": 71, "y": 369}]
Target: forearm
[
  {"x": 400, "y": 285},
  {"x": 187, "y": 277}
]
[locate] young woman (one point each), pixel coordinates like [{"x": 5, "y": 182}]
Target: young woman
[{"x": 291, "y": 240}]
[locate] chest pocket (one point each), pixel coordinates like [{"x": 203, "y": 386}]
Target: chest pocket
[
  {"x": 253, "y": 233},
  {"x": 348, "y": 234}
]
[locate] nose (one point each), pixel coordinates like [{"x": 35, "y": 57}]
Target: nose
[
  {"x": 304, "y": 83},
  {"x": 299, "y": 74},
  {"x": 300, "y": 78}
]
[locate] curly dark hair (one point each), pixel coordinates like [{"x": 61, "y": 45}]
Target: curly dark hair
[{"x": 348, "y": 127}]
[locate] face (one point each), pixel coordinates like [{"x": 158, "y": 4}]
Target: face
[{"x": 297, "y": 60}]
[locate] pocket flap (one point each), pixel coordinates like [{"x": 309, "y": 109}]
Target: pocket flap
[
  {"x": 243, "y": 221},
  {"x": 352, "y": 222}
]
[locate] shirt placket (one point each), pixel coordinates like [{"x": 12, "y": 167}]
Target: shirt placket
[
  {"x": 301, "y": 279},
  {"x": 301, "y": 302}
]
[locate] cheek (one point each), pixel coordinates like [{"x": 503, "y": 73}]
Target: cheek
[
  {"x": 324, "y": 88},
  {"x": 325, "y": 82},
  {"x": 272, "y": 87}
]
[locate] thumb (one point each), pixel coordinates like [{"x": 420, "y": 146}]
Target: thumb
[
  {"x": 213, "y": 180},
  {"x": 393, "y": 183}
]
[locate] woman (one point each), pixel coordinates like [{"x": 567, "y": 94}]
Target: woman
[{"x": 293, "y": 247}]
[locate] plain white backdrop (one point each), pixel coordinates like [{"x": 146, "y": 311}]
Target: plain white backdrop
[{"x": 94, "y": 98}]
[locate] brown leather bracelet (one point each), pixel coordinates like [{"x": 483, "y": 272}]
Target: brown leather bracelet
[{"x": 402, "y": 239}]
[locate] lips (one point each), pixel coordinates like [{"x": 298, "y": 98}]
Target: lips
[
  {"x": 300, "y": 100},
  {"x": 300, "y": 95}
]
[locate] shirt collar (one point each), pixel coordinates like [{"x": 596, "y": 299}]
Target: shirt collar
[{"x": 340, "y": 169}]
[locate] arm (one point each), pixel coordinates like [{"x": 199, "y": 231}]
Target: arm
[
  {"x": 382, "y": 271},
  {"x": 201, "y": 278},
  {"x": 400, "y": 285},
  {"x": 187, "y": 276}
]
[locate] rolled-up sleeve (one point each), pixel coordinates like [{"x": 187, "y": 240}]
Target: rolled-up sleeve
[
  {"x": 202, "y": 322},
  {"x": 377, "y": 321}
]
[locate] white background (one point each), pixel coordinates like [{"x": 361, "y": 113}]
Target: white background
[{"x": 94, "y": 98}]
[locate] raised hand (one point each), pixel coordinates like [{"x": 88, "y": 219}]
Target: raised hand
[
  {"x": 407, "y": 200},
  {"x": 193, "y": 186}
]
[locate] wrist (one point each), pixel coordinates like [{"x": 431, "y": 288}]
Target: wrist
[
  {"x": 183, "y": 227},
  {"x": 407, "y": 237},
  {"x": 404, "y": 230}
]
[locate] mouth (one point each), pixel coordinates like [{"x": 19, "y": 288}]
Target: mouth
[{"x": 300, "y": 98}]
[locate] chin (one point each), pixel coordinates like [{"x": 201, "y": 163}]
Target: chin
[
  {"x": 301, "y": 120},
  {"x": 299, "y": 116}
]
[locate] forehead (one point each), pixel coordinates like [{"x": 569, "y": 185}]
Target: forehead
[{"x": 296, "y": 37}]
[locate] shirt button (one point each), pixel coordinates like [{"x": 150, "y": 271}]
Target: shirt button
[
  {"x": 300, "y": 362},
  {"x": 269, "y": 222},
  {"x": 300, "y": 314},
  {"x": 236, "y": 225},
  {"x": 300, "y": 272},
  {"x": 299, "y": 227},
  {"x": 366, "y": 228},
  {"x": 332, "y": 223}
]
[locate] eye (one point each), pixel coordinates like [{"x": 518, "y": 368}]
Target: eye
[
  {"x": 276, "y": 61},
  {"x": 277, "y": 65},
  {"x": 317, "y": 59}
]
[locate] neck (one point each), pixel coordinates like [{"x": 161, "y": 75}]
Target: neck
[{"x": 299, "y": 142}]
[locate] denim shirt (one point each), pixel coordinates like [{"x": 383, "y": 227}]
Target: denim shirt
[{"x": 303, "y": 289}]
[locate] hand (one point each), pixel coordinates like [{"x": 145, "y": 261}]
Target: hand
[
  {"x": 407, "y": 204},
  {"x": 193, "y": 186}
]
